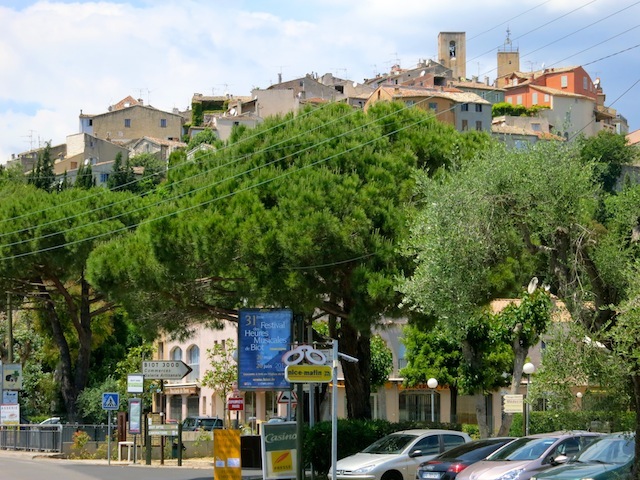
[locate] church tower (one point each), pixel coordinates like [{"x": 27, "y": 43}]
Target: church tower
[
  {"x": 508, "y": 61},
  {"x": 452, "y": 53}
]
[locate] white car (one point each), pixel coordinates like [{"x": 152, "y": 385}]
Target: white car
[{"x": 397, "y": 456}]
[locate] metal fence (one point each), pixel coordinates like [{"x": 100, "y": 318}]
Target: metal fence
[{"x": 46, "y": 438}]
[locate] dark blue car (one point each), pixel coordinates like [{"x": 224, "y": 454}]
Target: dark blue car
[{"x": 447, "y": 465}]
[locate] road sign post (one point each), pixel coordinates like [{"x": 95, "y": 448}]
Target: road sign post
[
  {"x": 165, "y": 369},
  {"x": 110, "y": 402}
]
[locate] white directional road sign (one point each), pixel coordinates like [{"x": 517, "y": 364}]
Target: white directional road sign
[
  {"x": 110, "y": 401},
  {"x": 165, "y": 369}
]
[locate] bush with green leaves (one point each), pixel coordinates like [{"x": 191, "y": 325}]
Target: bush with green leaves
[
  {"x": 353, "y": 436},
  {"x": 558, "y": 420}
]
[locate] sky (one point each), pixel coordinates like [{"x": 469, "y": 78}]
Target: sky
[{"x": 58, "y": 58}]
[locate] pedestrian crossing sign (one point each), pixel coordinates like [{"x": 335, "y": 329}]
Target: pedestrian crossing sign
[{"x": 110, "y": 401}]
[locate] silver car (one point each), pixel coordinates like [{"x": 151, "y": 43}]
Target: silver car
[
  {"x": 397, "y": 456},
  {"x": 528, "y": 456}
]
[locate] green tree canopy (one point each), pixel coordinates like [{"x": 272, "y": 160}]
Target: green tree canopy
[
  {"x": 45, "y": 240},
  {"x": 303, "y": 212}
]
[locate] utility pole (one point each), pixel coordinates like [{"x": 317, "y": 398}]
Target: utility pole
[{"x": 10, "y": 320}]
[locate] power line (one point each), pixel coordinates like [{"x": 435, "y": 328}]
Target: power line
[
  {"x": 187, "y": 178},
  {"x": 510, "y": 19},
  {"x": 216, "y": 199}
]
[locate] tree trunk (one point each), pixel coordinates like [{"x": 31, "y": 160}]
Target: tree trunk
[
  {"x": 520, "y": 354},
  {"x": 481, "y": 415},
  {"x": 356, "y": 375},
  {"x": 85, "y": 336},
  {"x": 67, "y": 386},
  {"x": 73, "y": 378},
  {"x": 472, "y": 358}
]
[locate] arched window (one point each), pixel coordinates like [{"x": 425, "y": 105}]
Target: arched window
[
  {"x": 176, "y": 353},
  {"x": 452, "y": 49},
  {"x": 193, "y": 360}
]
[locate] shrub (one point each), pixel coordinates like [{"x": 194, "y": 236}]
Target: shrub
[
  {"x": 79, "y": 445},
  {"x": 353, "y": 436},
  {"x": 557, "y": 420}
]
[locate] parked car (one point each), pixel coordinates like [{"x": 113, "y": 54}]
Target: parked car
[
  {"x": 191, "y": 424},
  {"x": 51, "y": 421},
  {"x": 397, "y": 456},
  {"x": 528, "y": 456},
  {"x": 610, "y": 456},
  {"x": 447, "y": 465}
]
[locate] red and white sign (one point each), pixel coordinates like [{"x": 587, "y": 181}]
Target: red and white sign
[
  {"x": 287, "y": 396},
  {"x": 235, "y": 404}
]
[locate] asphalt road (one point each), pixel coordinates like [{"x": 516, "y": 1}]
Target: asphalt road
[{"x": 23, "y": 466}]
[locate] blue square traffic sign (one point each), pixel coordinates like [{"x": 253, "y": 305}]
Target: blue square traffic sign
[{"x": 110, "y": 401}]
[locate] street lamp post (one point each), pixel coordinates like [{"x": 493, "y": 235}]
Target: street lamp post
[
  {"x": 579, "y": 397},
  {"x": 528, "y": 368},
  {"x": 432, "y": 383}
]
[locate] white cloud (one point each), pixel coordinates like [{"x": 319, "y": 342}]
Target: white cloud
[{"x": 58, "y": 58}]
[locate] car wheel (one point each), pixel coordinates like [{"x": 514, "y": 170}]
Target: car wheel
[{"x": 394, "y": 475}]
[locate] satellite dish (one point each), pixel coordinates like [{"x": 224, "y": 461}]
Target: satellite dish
[
  {"x": 423, "y": 73},
  {"x": 533, "y": 284},
  {"x": 355, "y": 84},
  {"x": 86, "y": 161}
]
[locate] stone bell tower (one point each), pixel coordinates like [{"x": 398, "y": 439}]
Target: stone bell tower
[{"x": 452, "y": 52}]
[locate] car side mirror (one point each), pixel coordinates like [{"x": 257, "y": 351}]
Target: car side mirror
[
  {"x": 415, "y": 453},
  {"x": 560, "y": 459}
]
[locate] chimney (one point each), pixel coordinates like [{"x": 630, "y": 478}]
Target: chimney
[
  {"x": 486, "y": 81},
  {"x": 140, "y": 101}
]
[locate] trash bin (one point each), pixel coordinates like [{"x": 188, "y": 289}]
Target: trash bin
[{"x": 174, "y": 448}]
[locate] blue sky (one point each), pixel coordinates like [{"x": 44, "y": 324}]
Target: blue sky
[{"x": 60, "y": 57}]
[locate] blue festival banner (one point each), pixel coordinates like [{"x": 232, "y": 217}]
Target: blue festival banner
[{"x": 263, "y": 337}]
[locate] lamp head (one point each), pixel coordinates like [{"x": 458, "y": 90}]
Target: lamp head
[
  {"x": 528, "y": 368},
  {"x": 432, "y": 383}
]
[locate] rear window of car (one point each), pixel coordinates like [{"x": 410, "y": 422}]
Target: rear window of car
[
  {"x": 474, "y": 451},
  {"x": 451, "y": 441}
]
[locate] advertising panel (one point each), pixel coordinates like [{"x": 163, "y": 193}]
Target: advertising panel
[
  {"x": 279, "y": 450},
  {"x": 12, "y": 376},
  {"x": 10, "y": 414},
  {"x": 226, "y": 451},
  {"x": 135, "y": 383},
  {"x": 263, "y": 336},
  {"x": 135, "y": 415}
]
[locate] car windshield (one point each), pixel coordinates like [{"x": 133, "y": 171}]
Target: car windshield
[
  {"x": 210, "y": 422},
  {"x": 618, "y": 450},
  {"x": 393, "y": 443},
  {"x": 526, "y": 448}
]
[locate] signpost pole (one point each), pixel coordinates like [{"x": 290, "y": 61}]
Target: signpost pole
[
  {"x": 334, "y": 411},
  {"x": 147, "y": 439},
  {"x": 109, "y": 439}
]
